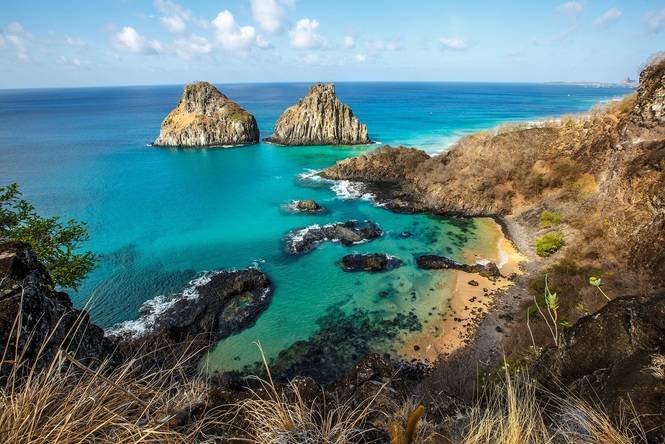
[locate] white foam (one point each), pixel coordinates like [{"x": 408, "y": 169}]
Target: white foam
[
  {"x": 346, "y": 189},
  {"x": 153, "y": 308}
]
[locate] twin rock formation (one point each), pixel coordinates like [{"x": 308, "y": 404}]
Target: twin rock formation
[{"x": 205, "y": 117}]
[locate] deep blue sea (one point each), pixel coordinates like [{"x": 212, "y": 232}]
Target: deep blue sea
[{"x": 159, "y": 217}]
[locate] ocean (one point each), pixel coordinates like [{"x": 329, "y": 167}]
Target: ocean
[{"x": 158, "y": 218}]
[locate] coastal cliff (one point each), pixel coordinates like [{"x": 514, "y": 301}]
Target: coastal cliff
[
  {"x": 319, "y": 118},
  {"x": 205, "y": 117}
]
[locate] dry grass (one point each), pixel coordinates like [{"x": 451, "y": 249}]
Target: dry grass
[
  {"x": 274, "y": 416},
  {"x": 67, "y": 402},
  {"x": 512, "y": 413}
]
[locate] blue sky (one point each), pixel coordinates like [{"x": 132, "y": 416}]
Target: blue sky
[{"x": 138, "y": 42}]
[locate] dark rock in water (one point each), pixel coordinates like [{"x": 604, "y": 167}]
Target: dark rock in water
[
  {"x": 369, "y": 262},
  {"x": 434, "y": 262},
  {"x": 304, "y": 240},
  {"x": 48, "y": 320},
  {"x": 217, "y": 305},
  {"x": 320, "y": 118},
  {"x": 206, "y": 117},
  {"x": 307, "y": 206},
  {"x": 405, "y": 234},
  {"x": 605, "y": 357}
]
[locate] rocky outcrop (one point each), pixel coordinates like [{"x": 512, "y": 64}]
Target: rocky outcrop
[
  {"x": 39, "y": 320},
  {"x": 369, "y": 262},
  {"x": 306, "y": 206},
  {"x": 320, "y": 118},
  {"x": 205, "y": 117},
  {"x": 304, "y": 240},
  {"x": 215, "y": 306},
  {"x": 649, "y": 107},
  {"x": 434, "y": 262},
  {"x": 606, "y": 357},
  {"x": 385, "y": 164}
]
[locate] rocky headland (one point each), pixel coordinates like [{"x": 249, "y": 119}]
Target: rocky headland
[
  {"x": 319, "y": 118},
  {"x": 205, "y": 117}
]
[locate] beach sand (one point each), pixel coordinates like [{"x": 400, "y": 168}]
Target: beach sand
[{"x": 465, "y": 297}]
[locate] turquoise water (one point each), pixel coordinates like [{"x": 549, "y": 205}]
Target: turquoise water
[{"x": 159, "y": 217}]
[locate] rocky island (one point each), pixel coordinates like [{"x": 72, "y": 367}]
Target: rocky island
[
  {"x": 320, "y": 118},
  {"x": 205, "y": 117}
]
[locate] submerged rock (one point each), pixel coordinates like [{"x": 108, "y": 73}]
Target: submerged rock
[
  {"x": 369, "y": 262},
  {"x": 307, "y": 206},
  {"x": 434, "y": 262},
  {"x": 206, "y": 117},
  {"x": 320, "y": 118},
  {"x": 48, "y": 320},
  {"x": 215, "y": 306},
  {"x": 304, "y": 240}
]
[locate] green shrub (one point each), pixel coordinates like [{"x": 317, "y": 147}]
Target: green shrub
[
  {"x": 549, "y": 218},
  {"x": 549, "y": 243}
]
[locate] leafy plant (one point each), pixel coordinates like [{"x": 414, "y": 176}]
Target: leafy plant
[
  {"x": 549, "y": 218},
  {"x": 551, "y": 319},
  {"x": 55, "y": 243},
  {"x": 596, "y": 282},
  {"x": 549, "y": 243}
]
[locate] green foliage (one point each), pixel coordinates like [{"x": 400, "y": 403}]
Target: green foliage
[
  {"x": 549, "y": 243},
  {"x": 549, "y": 218},
  {"x": 55, "y": 243}
]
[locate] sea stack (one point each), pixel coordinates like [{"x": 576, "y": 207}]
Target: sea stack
[
  {"x": 319, "y": 119},
  {"x": 205, "y": 117}
]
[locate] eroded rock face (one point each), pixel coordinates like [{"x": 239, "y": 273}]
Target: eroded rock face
[
  {"x": 205, "y": 117},
  {"x": 385, "y": 164},
  {"x": 320, "y": 118},
  {"x": 605, "y": 357},
  {"x": 369, "y": 262},
  {"x": 48, "y": 319},
  {"x": 304, "y": 240},
  {"x": 215, "y": 306},
  {"x": 434, "y": 262},
  {"x": 649, "y": 107}
]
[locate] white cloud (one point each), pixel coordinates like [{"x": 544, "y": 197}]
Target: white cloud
[
  {"x": 655, "y": 20},
  {"x": 74, "y": 41},
  {"x": 609, "y": 16},
  {"x": 269, "y": 14},
  {"x": 231, "y": 36},
  {"x": 128, "y": 39},
  {"x": 262, "y": 43},
  {"x": 360, "y": 58},
  {"x": 72, "y": 62},
  {"x": 173, "y": 23},
  {"x": 571, "y": 7},
  {"x": 2, "y": 42},
  {"x": 453, "y": 43},
  {"x": 382, "y": 45},
  {"x": 191, "y": 46},
  {"x": 14, "y": 28},
  {"x": 349, "y": 42},
  {"x": 304, "y": 35}
]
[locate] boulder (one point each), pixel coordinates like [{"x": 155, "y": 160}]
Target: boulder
[
  {"x": 48, "y": 320},
  {"x": 320, "y": 118},
  {"x": 304, "y": 240},
  {"x": 307, "y": 206},
  {"x": 205, "y": 117},
  {"x": 606, "y": 357},
  {"x": 369, "y": 262}
]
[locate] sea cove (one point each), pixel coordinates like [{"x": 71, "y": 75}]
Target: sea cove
[{"x": 160, "y": 217}]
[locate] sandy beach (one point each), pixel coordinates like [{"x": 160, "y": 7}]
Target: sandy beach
[{"x": 465, "y": 297}]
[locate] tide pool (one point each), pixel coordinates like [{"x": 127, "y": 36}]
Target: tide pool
[{"x": 160, "y": 217}]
